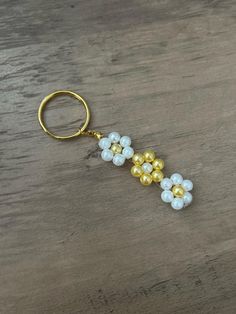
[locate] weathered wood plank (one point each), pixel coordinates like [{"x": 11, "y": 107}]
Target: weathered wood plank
[{"x": 78, "y": 235}]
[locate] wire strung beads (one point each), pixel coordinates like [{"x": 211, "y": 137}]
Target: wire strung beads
[
  {"x": 116, "y": 148},
  {"x": 176, "y": 191},
  {"x": 147, "y": 167}
]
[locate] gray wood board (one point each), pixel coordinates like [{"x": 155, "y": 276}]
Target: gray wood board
[{"x": 79, "y": 235}]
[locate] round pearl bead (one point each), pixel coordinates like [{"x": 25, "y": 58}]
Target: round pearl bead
[
  {"x": 146, "y": 179},
  {"x": 187, "y": 185},
  {"x": 128, "y": 152},
  {"x": 138, "y": 159},
  {"x": 147, "y": 167},
  {"x": 167, "y": 196},
  {"x": 107, "y": 155},
  {"x": 104, "y": 143},
  {"x": 114, "y": 137},
  {"x": 136, "y": 171},
  {"x": 149, "y": 155},
  {"x": 166, "y": 184},
  {"x": 158, "y": 164},
  {"x": 116, "y": 148},
  {"x": 176, "y": 178},
  {"x": 187, "y": 198},
  {"x": 125, "y": 141},
  {"x": 157, "y": 175},
  {"x": 118, "y": 160},
  {"x": 177, "y": 203}
]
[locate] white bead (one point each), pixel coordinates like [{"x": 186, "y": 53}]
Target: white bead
[
  {"x": 118, "y": 160},
  {"x": 114, "y": 137},
  {"x": 167, "y": 196},
  {"x": 177, "y": 203},
  {"x": 125, "y": 141},
  {"x": 176, "y": 178},
  {"x": 107, "y": 155},
  {"x": 187, "y": 185},
  {"x": 128, "y": 152},
  {"x": 187, "y": 198},
  {"x": 147, "y": 167},
  {"x": 166, "y": 184},
  {"x": 104, "y": 143}
]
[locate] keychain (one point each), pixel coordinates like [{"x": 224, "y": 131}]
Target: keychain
[{"x": 116, "y": 148}]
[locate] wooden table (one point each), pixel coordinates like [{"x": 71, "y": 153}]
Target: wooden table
[{"x": 79, "y": 235}]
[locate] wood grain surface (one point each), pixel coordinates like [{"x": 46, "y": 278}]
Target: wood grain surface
[{"x": 81, "y": 236}]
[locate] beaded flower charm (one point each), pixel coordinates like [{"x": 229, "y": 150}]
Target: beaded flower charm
[
  {"x": 146, "y": 166},
  {"x": 176, "y": 191},
  {"x": 116, "y": 148}
]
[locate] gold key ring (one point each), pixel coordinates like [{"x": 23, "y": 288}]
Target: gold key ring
[{"x": 81, "y": 131}]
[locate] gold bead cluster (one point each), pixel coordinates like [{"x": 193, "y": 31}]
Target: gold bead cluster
[{"x": 147, "y": 167}]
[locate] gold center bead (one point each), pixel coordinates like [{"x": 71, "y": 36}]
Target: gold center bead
[
  {"x": 116, "y": 148},
  {"x": 178, "y": 191}
]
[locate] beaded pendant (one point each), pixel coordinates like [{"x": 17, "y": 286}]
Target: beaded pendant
[{"x": 146, "y": 166}]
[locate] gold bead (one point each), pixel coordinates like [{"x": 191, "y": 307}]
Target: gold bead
[
  {"x": 157, "y": 175},
  {"x": 149, "y": 155},
  {"x": 178, "y": 191},
  {"x": 158, "y": 164},
  {"x": 146, "y": 179},
  {"x": 136, "y": 171},
  {"x": 116, "y": 148},
  {"x": 138, "y": 159}
]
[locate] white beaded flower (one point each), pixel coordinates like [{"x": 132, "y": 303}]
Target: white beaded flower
[
  {"x": 176, "y": 191},
  {"x": 116, "y": 148}
]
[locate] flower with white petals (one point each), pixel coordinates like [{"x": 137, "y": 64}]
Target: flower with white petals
[
  {"x": 116, "y": 148},
  {"x": 176, "y": 191}
]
